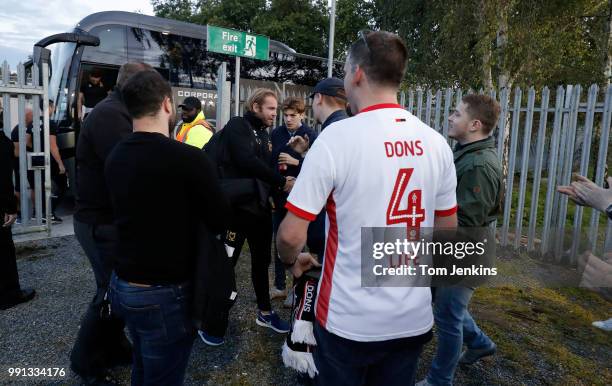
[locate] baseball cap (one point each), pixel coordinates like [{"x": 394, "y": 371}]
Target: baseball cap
[
  {"x": 191, "y": 103},
  {"x": 330, "y": 86}
]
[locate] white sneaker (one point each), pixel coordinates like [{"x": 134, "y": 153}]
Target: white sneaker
[
  {"x": 605, "y": 325},
  {"x": 423, "y": 382},
  {"x": 276, "y": 293}
]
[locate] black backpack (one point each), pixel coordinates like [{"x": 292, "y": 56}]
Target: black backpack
[{"x": 248, "y": 194}]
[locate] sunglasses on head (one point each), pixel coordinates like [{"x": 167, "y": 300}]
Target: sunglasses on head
[{"x": 363, "y": 35}]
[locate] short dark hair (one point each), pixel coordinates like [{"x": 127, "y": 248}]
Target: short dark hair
[
  {"x": 144, "y": 92},
  {"x": 128, "y": 70},
  {"x": 483, "y": 108},
  {"x": 382, "y": 55},
  {"x": 294, "y": 103}
]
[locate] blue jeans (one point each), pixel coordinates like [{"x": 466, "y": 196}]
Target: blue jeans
[
  {"x": 454, "y": 327},
  {"x": 343, "y": 361},
  {"x": 159, "y": 323}
]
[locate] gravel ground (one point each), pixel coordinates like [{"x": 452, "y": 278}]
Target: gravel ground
[{"x": 41, "y": 332}]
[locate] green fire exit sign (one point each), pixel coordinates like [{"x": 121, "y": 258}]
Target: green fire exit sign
[{"x": 237, "y": 43}]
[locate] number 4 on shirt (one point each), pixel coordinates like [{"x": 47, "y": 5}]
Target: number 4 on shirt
[{"x": 413, "y": 214}]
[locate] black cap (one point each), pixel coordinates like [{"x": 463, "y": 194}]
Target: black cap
[
  {"x": 330, "y": 86},
  {"x": 191, "y": 103}
]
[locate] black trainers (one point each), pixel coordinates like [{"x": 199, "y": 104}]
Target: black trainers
[
  {"x": 23, "y": 296},
  {"x": 56, "y": 220}
]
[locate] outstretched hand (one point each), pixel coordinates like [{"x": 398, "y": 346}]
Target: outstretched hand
[
  {"x": 304, "y": 262},
  {"x": 299, "y": 144},
  {"x": 585, "y": 192}
]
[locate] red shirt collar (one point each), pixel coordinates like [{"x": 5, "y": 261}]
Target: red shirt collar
[{"x": 381, "y": 106}]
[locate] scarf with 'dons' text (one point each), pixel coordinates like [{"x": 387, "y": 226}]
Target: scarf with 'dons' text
[{"x": 298, "y": 347}]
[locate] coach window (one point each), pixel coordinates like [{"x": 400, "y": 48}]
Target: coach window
[
  {"x": 189, "y": 63},
  {"x": 112, "y": 48},
  {"x": 146, "y": 46}
]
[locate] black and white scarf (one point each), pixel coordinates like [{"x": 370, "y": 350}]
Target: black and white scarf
[{"x": 298, "y": 347}]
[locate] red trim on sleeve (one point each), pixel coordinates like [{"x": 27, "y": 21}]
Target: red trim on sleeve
[
  {"x": 381, "y": 106},
  {"x": 447, "y": 212},
  {"x": 300, "y": 212},
  {"x": 331, "y": 249}
]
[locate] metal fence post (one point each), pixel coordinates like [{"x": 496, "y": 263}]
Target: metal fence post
[
  {"x": 436, "y": 124},
  {"x": 602, "y": 156},
  {"x": 504, "y": 97},
  {"x": 447, "y": 106},
  {"x": 47, "y": 131},
  {"x": 6, "y": 100},
  {"x": 561, "y": 156},
  {"x": 411, "y": 101},
  {"x": 567, "y": 170},
  {"x": 23, "y": 166},
  {"x": 584, "y": 165},
  {"x": 37, "y": 188},
  {"x": 420, "y": 104},
  {"x": 553, "y": 154},
  {"x": 428, "y": 109},
  {"x": 516, "y": 113},
  {"x": 524, "y": 165},
  {"x": 537, "y": 172}
]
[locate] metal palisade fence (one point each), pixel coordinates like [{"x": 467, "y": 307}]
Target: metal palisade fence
[
  {"x": 33, "y": 163},
  {"x": 549, "y": 136}
]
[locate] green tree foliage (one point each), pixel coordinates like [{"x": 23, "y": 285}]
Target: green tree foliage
[
  {"x": 301, "y": 24},
  {"x": 466, "y": 43},
  {"x": 174, "y": 9},
  {"x": 352, "y": 16}
]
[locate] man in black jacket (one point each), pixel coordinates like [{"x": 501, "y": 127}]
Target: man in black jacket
[
  {"x": 248, "y": 146},
  {"x": 100, "y": 343},
  {"x": 11, "y": 292}
]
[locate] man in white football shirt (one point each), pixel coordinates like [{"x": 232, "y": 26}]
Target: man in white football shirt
[{"x": 383, "y": 167}]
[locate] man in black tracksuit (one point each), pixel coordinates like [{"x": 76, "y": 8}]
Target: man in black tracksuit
[{"x": 247, "y": 144}]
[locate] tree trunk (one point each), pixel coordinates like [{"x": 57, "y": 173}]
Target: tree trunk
[
  {"x": 483, "y": 15},
  {"x": 504, "y": 78},
  {"x": 487, "y": 77},
  {"x": 502, "y": 43}
]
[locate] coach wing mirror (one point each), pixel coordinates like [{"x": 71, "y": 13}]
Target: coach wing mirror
[{"x": 42, "y": 55}]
